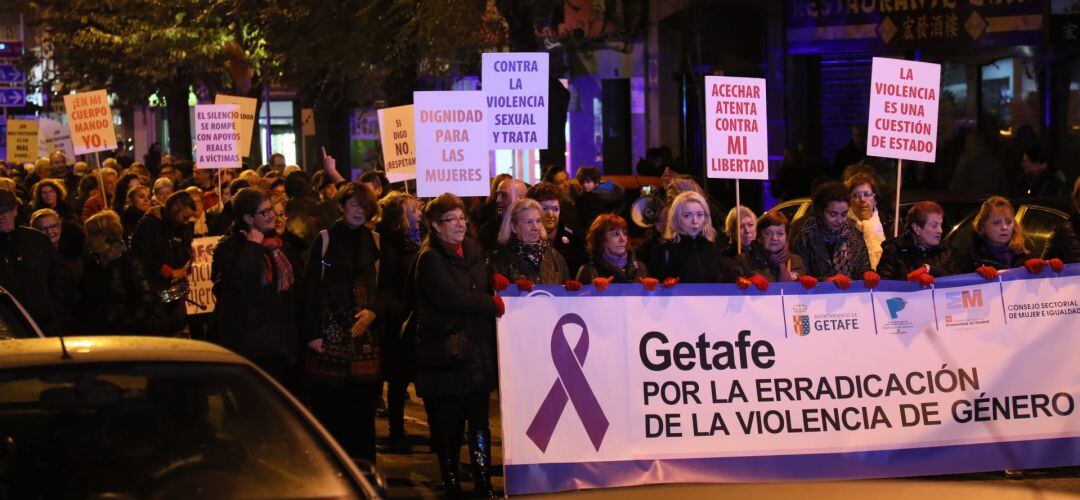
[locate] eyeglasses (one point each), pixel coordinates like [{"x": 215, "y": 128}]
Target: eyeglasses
[
  {"x": 267, "y": 212},
  {"x": 862, "y": 196},
  {"x": 463, "y": 220}
]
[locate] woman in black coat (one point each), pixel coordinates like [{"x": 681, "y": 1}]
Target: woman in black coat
[
  {"x": 998, "y": 243},
  {"x": 400, "y": 236},
  {"x": 162, "y": 240},
  {"x": 116, "y": 296},
  {"x": 691, "y": 251},
  {"x": 524, "y": 252},
  {"x": 456, "y": 363},
  {"x": 255, "y": 287},
  {"x": 918, "y": 246},
  {"x": 609, "y": 253},
  {"x": 1064, "y": 242},
  {"x": 342, "y": 314},
  {"x": 830, "y": 243}
]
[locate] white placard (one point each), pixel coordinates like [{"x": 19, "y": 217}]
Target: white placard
[
  {"x": 451, "y": 143},
  {"x": 515, "y": 86}
]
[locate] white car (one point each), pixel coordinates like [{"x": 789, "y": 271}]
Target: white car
[{"x": 146, "y": 417}]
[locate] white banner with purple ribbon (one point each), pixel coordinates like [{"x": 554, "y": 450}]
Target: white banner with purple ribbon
[{"x": 708, "y": 383}]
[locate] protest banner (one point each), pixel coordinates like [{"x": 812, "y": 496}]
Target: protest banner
[
  {"x": 903, "y": 115},
  {"x": 451, "y": 143},
  {"x": 216, "y": 137},
  {"x": 54, "y": 136},
  {"x": 91, "y": 122},
  {"x": 245, "y": 121},
  {"x": 515, "y": 86},
  {"x": 22, "y": 140},
  {"x": 398, "y": 143},
  {"x": 199, "y": 281},
  {"x": 708, "y": 383},
  {"x": 737, "y": 134}
]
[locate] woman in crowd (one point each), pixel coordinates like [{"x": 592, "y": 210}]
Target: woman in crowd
[
  {"x": 690, "y": 252},
  {"x": 340, "y": 313},
  {"x": 998, "y": 243},
  {"x": 829, "y": 243},
  {"x": 741, "y": 231},
  {"x": 569, "y": 242},
  {"x": 255, "y": 286},
  {"x": 97, "y": 200},
  {"x": 524, "y": 252},
  {"x": 200, "y": 226},
  {"x": 127, "y": 181},
  {"x": 918, "y": 249},
  {"x": 67, "y": 237},
  {"x": 399, "y": 228},
  {"x": 872, "y": 224},
  {"x": 456, "y": 363},
  {"x": 609, "y": 253},
  {"x": 162, "y": 240},
  {"x": 50, "y": 193},
  {"x": 117, "y": 297},
  {"x": 1064, "y": 242},
  {"x": 768, "y": 254},
  {"x": 163, "y": 187},
  {"x": 135, "y": 207}
]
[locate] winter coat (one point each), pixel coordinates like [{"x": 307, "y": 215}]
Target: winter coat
[
  {"x": 600, "y": 267},
  {"x": 901, "y": 256},
  {"x": 349, "y": 264},
  {"x": 810, "y": 245},
  {"x": 163, "y": 246},
  {"x": 976, "y": 255},
  {"x": 453, "y": 293},
  {"x": 756, "y": 261},
  {"x": 32, "y": 271},
  {"x": 552, "y": 270},
  {"x": 117, "y": 297},
  {"x": 570, "y": 243},
  {"x": 398, "y": 256},
  {"x": 693, "y": 260},
  {"x": 253, "y": 318},
  {"x": 1064, "y": 242}
]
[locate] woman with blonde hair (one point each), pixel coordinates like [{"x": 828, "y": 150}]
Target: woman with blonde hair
[
  {"x": 998, "y": 242},
  {"x": 690, "y": 252},
  {"x": 116, "y": 295},
  {"x": 524, "y": 253}
]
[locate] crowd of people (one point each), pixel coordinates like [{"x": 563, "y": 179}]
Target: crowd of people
[{"x": 336, "y": 288}]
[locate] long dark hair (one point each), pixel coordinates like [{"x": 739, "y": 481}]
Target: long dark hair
[
  {"x": 246, "y": 202},
  {"x": 120, "y": 195}
]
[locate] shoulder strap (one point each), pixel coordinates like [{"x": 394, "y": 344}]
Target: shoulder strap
[{"x": 324, "y": 237}]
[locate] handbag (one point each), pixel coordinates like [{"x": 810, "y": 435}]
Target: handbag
[{"x": 445, "y": 349}]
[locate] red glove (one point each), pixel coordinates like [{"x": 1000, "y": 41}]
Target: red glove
[
  {"x": 1056, "y": 264},
  {"x": 841, "y": 281},
  {"x": 988, "y": 273},
  {"x": 671, "y": 282},
  {"x": 601, "y": 283},
  {"x": 808, "y": 282},
  {"x": 500, "y": 307},
  {"x": 871, "y": 279},
  {"x": 760, "y": 282},
  {"x": 572, "y": 286},
  {"x": 742, "y": 283},
  {"x": 925, "y": 280},
  {"x": 650, "y": 283},
  {"x": 913, "y": 276},
  {"x": 1035, "y": 266},
  {"x": 499, "y": 282},
  {"x": 524, "y": 285}
]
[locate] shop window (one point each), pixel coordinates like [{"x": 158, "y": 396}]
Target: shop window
[
  {"x": 1009, "y": 95},
  {"x": 282, "y": 131}
]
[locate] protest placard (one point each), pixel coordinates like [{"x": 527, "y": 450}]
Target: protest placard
[
  {"x": 22, "y": 140},
  {"x": 54, "y": 136},
  {"x": 245, "y": 121},
  {"x": 515, "y": 86},
  {"x": 737, "y": 135},
  {"x": 451, "y": 143},
  {"x": 199, "y": 281},
  {"x": 398, "y": 143},
  {"x": 903, "y": 110},
  {"x": 90, "y": 119},
  {"x": 216, "y": 138}
]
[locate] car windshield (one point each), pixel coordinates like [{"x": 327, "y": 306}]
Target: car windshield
[{"x": 158, "y": 430}]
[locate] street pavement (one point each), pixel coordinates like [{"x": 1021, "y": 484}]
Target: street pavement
[{"x": 416, "y": 475}]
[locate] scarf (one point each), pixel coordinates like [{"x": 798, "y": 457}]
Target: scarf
[
  {"x": 1000, "y": 253},
  {"x": 533, "y": 253},
  {"x": 619, "y": 262},
  {"x": 275, "y": 263},
  {"x": 837, "y": 244}
]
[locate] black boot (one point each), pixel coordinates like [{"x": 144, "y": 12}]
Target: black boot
[
  {"x": 448, "y": 467},
  {"x": 480, "y": 450}
]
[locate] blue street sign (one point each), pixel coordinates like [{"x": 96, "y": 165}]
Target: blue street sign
[
  {"x": 11, "y": 74},
  {"x": 12, "y": 97}
]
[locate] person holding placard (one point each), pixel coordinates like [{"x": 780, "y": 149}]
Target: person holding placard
[
  {"x": 829, "y": 244},
  {"x": 690, "y": 252},
  {"x": 524, "y": 254}
]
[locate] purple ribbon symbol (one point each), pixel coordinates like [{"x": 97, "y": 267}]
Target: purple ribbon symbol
[{"x": 570, "y": 385}]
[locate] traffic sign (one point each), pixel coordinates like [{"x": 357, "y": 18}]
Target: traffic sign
[
  {"x": 11, "y": 74},
  {"x": 12, "y": 97}
]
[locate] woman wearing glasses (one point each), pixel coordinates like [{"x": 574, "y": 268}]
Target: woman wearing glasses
[
  {"x": 871, "y": 223},
  {"x": 455, "y": 354}
]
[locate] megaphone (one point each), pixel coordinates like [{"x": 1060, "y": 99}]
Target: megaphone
[{"x": 644, "y": 211}]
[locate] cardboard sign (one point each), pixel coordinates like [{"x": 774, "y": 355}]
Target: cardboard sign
[
  {"x": 515, "y": 87},
  {"x": 91, "y": 122},
  {"x": 903, "y": 110},
  {"x": 202, "y": 293},
  {"x": 737, "y": 135},
  {"x": 54, "y": 136},
  {"x": 22, "y": 140},
  {"x": 398, "y": 143},
  {"x": 451, "y": 143},
  {"x": 216, "y": 138},
  {"x": 245, "y": 123}
]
